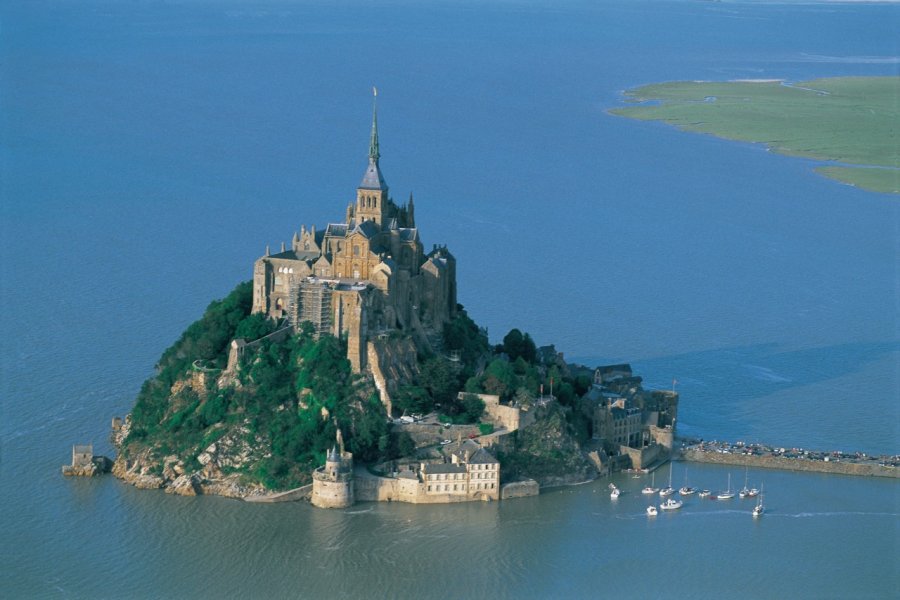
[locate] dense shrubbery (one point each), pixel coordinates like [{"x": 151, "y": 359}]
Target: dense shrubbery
[
  {"x": 206, "y": 339},
  {"x": 294, "y": 394}
]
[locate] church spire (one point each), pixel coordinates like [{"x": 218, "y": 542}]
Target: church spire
[
  {"x": 373, "y": 179},
  {"x": 374, "y": 154}
]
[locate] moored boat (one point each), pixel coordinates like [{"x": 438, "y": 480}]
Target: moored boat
[
  {"x": 727, "y": 494},
  {"x": 650, "y": 489},
  {"x": 671, "y": 504},
  {"x": 668, "y": 490},
  {"x": 651, "y": 511},
  {"x": 704, "y": 493}
]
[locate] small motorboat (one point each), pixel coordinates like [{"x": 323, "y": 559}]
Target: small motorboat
[
  {"x": 613, "y": 492},
  {"x": 671, "y": 504},
  {"x": 704, "y": 493},
  {"x": 651, "y": 511}
]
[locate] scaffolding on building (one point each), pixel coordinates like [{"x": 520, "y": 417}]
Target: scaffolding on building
[{"x": 310, "y": 300}]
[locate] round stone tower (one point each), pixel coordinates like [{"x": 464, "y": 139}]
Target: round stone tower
[{"x": 333, "y": 483}]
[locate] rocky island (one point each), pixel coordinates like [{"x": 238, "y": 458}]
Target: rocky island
[{"x": 346, "y": 370}]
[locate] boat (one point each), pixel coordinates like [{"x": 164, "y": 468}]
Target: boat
[
  {"x": 747, "y": 492},
  {"x": 727, "y": 494},
  {"x": 671, "y": 504},
  {"x": 687, "y": 490},
  {"x": 650, "y": 489},
  {"x": 704, "y": 493},
  {"x": 651, "y": 511},
  {"x": 758, "y": 510},
  {"x": 613, "y": 491},
  {"x": 668, "y": 490}
]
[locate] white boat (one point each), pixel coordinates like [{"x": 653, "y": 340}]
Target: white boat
[
  {"x": 668, "y": 490},
  {"x": 704, "y": 493},
  {"x": 758, "y": 510},
  {"x": 746, "y": 492},
  {"x": 671, "y": 504},
  {"x": 650, "y": 489},
  {"x": 687, "y": 490},
  {"x": 651, "y": 511},
  {"x": 727, "y": 494},
  {"x": 613, "y": 491}
]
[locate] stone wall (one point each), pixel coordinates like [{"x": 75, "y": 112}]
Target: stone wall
[
  {"x": 332, "y": 494},
  {"x": 642, "y": 458},
  {"x": 790, "y": 464},
  {"x": 519, "y": 489}
]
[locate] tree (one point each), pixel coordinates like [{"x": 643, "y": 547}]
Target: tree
[
  {"x": 472, "y": 406},
  {"x": 516, "y": 345},
  {"x": 438, "y": 378}
]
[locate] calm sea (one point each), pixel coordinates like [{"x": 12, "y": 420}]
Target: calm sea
[{"x": 150, "y": 150}]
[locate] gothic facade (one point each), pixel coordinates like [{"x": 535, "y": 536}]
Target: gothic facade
[{"x": 365, "y": 276}]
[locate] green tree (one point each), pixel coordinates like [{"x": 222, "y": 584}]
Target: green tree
[{"x": 438, "y": 378}]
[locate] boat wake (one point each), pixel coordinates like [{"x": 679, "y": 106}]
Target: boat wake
[{"x": 809, "y": 515}]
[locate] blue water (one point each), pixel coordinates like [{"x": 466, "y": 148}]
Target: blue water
[{"x": 150, "y": 151}]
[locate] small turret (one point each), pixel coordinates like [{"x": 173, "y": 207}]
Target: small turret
[{"x": 410, "y": 212}]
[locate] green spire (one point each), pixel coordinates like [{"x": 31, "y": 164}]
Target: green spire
[{"x": 374, "y": 154}]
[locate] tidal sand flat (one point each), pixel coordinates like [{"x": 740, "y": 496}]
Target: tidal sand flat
[{"x": 849, "y": 121}]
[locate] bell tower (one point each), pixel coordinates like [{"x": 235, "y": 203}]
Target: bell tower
[{"x": 372, "y": 193}]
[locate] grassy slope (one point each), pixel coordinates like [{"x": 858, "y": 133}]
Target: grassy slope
[{"x": 850, "y": 119}]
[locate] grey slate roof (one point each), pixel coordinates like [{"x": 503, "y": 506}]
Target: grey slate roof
[
  {"x": 368, "y": 228},
  {"x": 373, "y": 180},
  {"x": 482, "y": 457},
  {"x": 336, "y": 230},
  {"x": 445, "y": 468}
]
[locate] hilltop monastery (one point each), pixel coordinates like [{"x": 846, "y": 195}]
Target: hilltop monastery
[{"x": 363, "y": 277}]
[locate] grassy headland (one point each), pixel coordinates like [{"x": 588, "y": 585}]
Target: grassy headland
[{"x": 848, "y": 120}]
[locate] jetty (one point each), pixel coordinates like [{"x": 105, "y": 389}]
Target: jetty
[{"x": 790, "y": 459}]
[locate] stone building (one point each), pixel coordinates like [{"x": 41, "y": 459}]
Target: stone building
[
  {"x": 362, "y": 277},
  {"x": 472, "y": 473},
  {"x": 333, "y": 482},
  {"x": 628, "y": 420}
]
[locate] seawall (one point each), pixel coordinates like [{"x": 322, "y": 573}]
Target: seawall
[{"x": 867, "y": 469}]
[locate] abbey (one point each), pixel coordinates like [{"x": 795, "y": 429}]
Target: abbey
[{"x": 364, "y": 277}]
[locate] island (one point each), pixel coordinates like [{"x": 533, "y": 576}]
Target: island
[
  {"x": 347, "y": 371},
  {"x": 847, "y": 122}
]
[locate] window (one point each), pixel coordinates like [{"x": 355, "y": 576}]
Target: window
[
  {"x": 429, "y": 488},
  {"x": 355, "y": 250}
]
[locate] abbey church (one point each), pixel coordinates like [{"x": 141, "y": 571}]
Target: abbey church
[{"x": 363, "y": 278}]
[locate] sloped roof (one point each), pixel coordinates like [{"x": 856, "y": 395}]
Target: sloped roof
[
  {"x": 445, "y": 468},
  {"x": 373, "y": 179},
  {"x": 336, "y": 230},
  {"x": 367, "y": 228}
]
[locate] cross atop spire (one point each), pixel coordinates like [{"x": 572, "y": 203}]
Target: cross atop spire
[{"x": 374, "y": 154}]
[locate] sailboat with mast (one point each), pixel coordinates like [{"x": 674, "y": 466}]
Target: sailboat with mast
[
  {"x": 687, "y": 490},
  {"x": 745, "y": 491},
  {"x": 727, "y": 494},
  {"x": 668, "y": 490},
  {"x": 650, "y": 489},
  {"x": 758, "y": 510}
]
